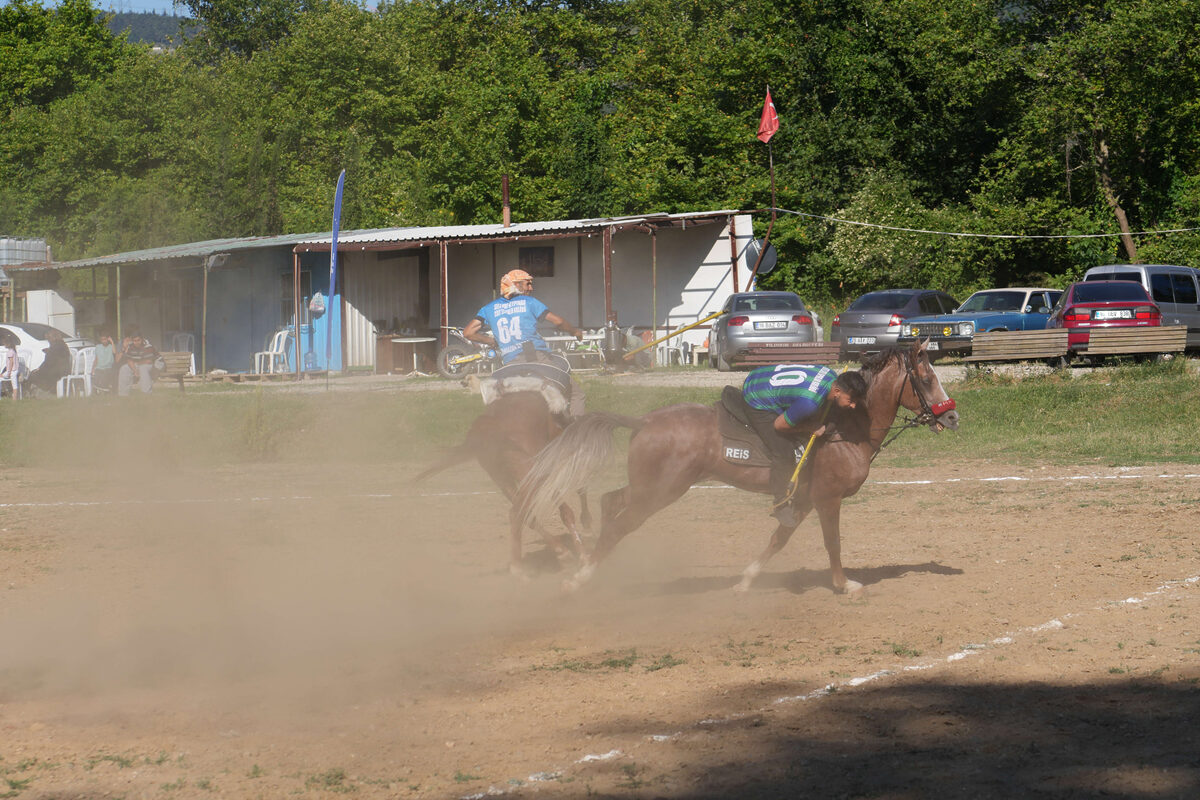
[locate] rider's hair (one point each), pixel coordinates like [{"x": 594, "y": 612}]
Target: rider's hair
[{"x": 853, "y": 384}]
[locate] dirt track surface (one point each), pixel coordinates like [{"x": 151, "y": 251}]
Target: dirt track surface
[{"x": 234, "y": 637}]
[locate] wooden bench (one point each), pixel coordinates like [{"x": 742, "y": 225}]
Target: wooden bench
[
  {"x": 1019, "y": 345},
  {"x": 1133, "y": 341},
  {"x": 179, "y": 365},
  {"x": 804, "y": 353}
]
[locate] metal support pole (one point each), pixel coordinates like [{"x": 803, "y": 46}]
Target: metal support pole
[
  {"x": 610, "y": 314},
  {"x": 444, "y": 256},
  {"x": 654, "y": 283},
  {"x": 733, "y": 252},
  {"x": 296, "y": 306},
  {"x": 204, "y": 323}
]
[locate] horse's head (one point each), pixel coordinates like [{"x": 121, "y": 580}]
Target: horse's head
[{"x": 922, "y": 391}]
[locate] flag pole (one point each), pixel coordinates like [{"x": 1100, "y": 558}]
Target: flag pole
[
  {"x": 333, "y": 255},
  {"x": 767, "y": 127}
]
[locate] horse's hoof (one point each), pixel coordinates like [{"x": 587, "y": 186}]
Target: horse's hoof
[
  {"x": 851, "y": 588},
  {"x": 748, "y": 576}
]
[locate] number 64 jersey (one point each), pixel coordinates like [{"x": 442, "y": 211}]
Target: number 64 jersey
[{"x": 513, "y": 322}]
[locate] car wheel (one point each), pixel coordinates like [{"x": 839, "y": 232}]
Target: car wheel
[{"x": 721, "y": 364}]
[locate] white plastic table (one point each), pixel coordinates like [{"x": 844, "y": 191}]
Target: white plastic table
[{"x": 414, "y": 341}]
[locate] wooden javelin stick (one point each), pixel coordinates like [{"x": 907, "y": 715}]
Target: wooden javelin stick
[{"x": 632, "y": 353}]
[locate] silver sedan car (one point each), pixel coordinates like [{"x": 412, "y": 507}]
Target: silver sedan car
[
  {"x": 757, "y": 318},
  {"x": 872, "y": 322}
]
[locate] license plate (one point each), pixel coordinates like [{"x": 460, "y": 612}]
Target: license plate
[
  {"x": 935, "y": 346},
  {"x": 1112, "y": 313},
  {"x": 770, "y": 326},
  {"x": 861, "y": 340}
]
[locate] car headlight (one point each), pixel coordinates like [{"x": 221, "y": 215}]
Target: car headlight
[
  {"x": 966, "y": 329},
  {"x": 906, "y": 330}
]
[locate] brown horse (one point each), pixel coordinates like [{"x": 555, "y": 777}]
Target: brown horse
[
  {"x": 674, "y": 447},
  {"x": 504, "y": 439}
]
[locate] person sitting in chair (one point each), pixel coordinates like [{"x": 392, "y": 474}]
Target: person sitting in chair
[
  {"x": 787, "y": 401},
  {"x": 513, "y": 318},
  {"x": 135, "y": 363},
  {"x": 56, "y": 364}
]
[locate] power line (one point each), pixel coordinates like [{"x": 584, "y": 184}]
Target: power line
[{"x": 984, "y": 235}]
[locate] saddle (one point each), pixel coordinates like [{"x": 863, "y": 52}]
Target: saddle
[
  {"x": 740, "y": 444},
  {"x": 550, "y": 376}
]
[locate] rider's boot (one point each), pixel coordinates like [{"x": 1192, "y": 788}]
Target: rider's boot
[{"x": 784, "y": 512}]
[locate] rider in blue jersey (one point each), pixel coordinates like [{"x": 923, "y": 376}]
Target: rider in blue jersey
[
  {"x": 784, "y": 401},
  {"x": 513, "y": 318}
]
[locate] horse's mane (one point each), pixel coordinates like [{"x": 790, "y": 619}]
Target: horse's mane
[{"x": 874, "y": 363}]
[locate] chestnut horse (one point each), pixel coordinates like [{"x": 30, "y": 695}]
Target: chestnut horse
[
  {"x": 504, "y": 440},
  {"x": 674, "y": 447}
]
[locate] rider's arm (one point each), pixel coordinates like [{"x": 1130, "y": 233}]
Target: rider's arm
[
  {"x": 562, "y": 324},
  {"x": 803, "y": 411},
  {"x": 473, "y": 333}
]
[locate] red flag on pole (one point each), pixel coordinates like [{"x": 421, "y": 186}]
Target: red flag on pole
[{"x": 770, "y": 120}]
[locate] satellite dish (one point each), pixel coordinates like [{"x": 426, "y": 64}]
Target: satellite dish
[{"x": 769, "y": 259}]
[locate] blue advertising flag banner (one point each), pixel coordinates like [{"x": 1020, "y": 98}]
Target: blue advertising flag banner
[{"x": 333, "y": 256}]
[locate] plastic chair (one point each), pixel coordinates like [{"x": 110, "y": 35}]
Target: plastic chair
[
  {"x": 18, "y": 378},
  {"x": 669, "y": 355},
  {"x": 275, "y": 356},
  {"x": 80, "y": 378},
  {"x": 183, "y": 342}
]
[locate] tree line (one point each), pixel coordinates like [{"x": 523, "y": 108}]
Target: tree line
[{"x": 1027, "y": 118}]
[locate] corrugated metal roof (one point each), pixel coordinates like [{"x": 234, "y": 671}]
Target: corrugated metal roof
[
  {"x": 372, "y": 236},
  {"x": 495, "y": 230},
  {"x": 189, "y": 250}
]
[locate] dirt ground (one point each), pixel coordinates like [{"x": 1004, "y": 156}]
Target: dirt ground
[{"x": 280, "y": 631}]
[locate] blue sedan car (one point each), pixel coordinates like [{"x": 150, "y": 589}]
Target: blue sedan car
[{"x": 1015, "y": 309}]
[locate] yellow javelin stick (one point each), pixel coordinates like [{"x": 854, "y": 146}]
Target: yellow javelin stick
[
  {"x": 794, "y": 483},
  {"x": 632, "y": 353}
]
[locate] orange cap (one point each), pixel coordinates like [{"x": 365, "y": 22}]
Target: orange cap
[{"x": 508, "y": 284}]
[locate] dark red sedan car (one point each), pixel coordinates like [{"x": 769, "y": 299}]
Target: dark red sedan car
[{"x": 1102, "y": 304}]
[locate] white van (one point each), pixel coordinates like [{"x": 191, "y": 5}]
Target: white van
[{"x": 1175, "y": 290}]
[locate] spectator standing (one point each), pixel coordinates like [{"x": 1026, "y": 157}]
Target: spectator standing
[
  {"x": 10, "y": 363},
  {"x": 105, "y": 366}
]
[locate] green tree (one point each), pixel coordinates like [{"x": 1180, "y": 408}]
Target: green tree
[{"x": 47, "y": 53}]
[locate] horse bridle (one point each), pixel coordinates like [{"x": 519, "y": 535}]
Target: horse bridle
[{"x": 929, "y": 411}]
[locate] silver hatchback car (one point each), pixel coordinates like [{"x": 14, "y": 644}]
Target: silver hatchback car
[{"x": 755, "y": 318}]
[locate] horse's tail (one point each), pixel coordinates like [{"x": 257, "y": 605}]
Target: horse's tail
[
  {"x": 567, "y": 463},
  {"x": 452, "y": 458}
]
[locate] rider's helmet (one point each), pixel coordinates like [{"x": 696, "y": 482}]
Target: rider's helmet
[{"x": 508, "y": 284}]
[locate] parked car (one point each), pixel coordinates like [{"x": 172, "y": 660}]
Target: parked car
[
  {"x": 755, "y": 318},
  {"x": 872, "y": 322},
  {"x": 32, "y": 338},
  {"x": 1175, "y": 290},
  {"x": 1015, "y": 309},
  {"x": 1087, "y": 305}
]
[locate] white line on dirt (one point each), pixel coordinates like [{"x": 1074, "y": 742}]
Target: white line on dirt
[
  {"x": 852, "y": 683},
  {"x": 1125, "y": 475}
]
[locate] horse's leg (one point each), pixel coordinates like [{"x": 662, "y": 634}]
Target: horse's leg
[
  {"x": 585, "y": 515},
  {"x": 625, "y": 511},
  {"x": 830, "y": 512},
  {"x": 781, "y": 536},
  {"x": 572, "y": 543}
]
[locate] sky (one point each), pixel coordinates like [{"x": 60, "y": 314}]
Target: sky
[{"x": 157, "y": 6}]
